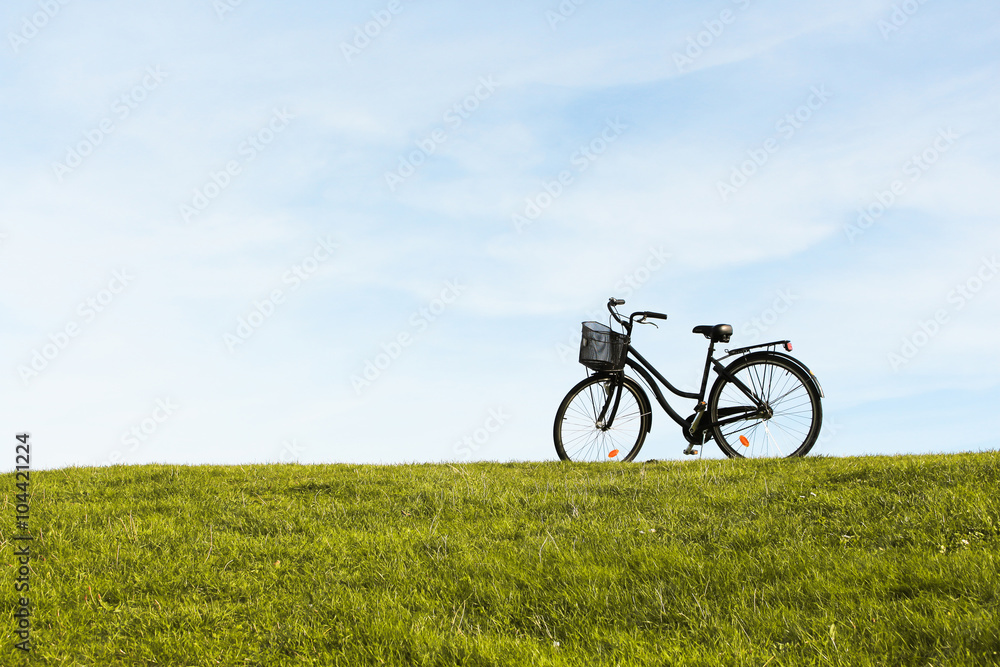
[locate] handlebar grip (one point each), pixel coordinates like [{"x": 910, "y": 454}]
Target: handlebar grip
[
  {"x": 616, "y": 302},
  {"x": 655, "y": 316}
]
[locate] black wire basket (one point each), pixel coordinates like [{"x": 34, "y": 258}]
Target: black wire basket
[{"x": 602, "y": 348}]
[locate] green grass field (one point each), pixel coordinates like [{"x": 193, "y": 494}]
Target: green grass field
[{"x": 870, "y": 561}]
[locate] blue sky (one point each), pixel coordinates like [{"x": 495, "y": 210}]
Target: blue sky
[{"x": 457, "y": 190}]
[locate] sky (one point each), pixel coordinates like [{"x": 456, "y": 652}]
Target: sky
[{"x": 239, "y": 231}]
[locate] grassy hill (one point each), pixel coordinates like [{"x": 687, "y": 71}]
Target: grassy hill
[{"x": 870, "y": 561}]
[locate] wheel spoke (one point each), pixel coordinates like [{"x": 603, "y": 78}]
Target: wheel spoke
[{"x": 771, "y": 438}]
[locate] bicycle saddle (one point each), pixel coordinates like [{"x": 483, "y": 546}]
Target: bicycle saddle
[{"x": 720, "y": 333}]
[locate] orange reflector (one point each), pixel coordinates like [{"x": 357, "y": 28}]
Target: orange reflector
[
  {"x": 744, "y": 441},
  {"x": 613, "y": 453}
]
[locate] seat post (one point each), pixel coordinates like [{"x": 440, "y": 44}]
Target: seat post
[{"x": 708, "y": 366}]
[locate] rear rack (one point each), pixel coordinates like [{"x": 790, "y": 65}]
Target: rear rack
[{"x": 741, "y": 350}]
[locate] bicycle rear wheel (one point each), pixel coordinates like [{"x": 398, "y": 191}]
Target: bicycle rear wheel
[
  {"x": 792, "y": 415},
  {"x": 580, "y": 437}
]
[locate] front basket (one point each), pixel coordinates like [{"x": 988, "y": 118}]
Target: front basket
[{"x": 602, "y": 348}]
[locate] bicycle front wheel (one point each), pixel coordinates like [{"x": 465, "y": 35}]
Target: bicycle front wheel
[
  {"x": 787, "y": 425},
  {"x": 581, "y": 436}
]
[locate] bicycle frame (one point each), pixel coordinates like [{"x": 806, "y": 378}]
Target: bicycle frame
[{"x": 647, "y": 371}]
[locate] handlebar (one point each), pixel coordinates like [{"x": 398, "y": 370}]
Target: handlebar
[{"x": 639, "y": 316}]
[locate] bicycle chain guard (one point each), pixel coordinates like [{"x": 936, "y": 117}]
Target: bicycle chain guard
[{"x": 696, "y": 438}]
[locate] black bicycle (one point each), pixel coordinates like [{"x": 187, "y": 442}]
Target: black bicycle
[{"x": 763, "y": 404}]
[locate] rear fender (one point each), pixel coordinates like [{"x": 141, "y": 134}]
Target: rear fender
[{"x": 787, "y": 357}]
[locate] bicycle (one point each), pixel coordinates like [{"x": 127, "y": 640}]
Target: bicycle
[{"x": 763, "y": 404}]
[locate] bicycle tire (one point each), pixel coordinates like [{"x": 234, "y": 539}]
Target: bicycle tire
[
  {"x": 790, "y": 394},
  {"x": 576, "y": 432}
]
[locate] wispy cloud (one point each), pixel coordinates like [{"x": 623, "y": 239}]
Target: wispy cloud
[{"x": 525, "y": 140}]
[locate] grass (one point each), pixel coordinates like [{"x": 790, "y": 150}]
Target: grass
[{"x": 854, "y": 561}]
